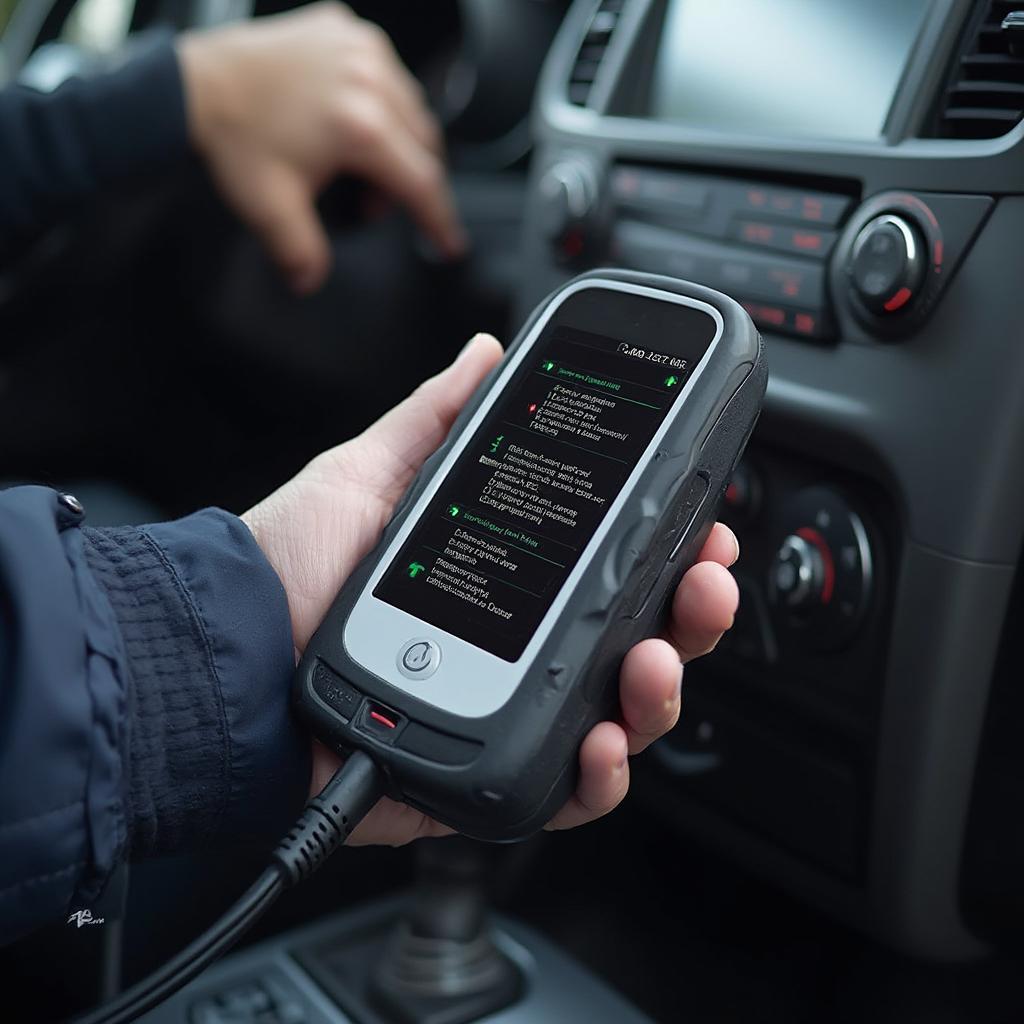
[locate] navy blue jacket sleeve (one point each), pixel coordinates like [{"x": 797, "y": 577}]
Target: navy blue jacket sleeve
[
  {"x": 58, "y": 149},
  {"x": 143, "y": 699}
]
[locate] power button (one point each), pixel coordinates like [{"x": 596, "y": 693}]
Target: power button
[{"x": 418, "y": 658}]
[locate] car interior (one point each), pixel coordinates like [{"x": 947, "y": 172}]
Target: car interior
[{"x": 831, "y": 832}]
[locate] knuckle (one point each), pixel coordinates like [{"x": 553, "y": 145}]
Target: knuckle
[
  {"x": 367, "y": 72},
  {"x": 432, "y": 131},
  {"x": 429, "y": 180},
  {"x": 334, "y": 9},
  {"x": 374, "y": 37},
  {"x": 359, "y": 123}
]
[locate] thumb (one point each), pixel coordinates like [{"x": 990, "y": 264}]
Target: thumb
[
  {"x": 278, "y": 206},
  {"x": 404, "y": 437}
]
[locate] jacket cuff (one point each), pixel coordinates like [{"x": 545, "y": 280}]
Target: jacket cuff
[
  {"x": 151, "y": 127},
  {"x": 215, "y": 756}
]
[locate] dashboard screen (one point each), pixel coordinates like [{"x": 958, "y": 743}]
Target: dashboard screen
[
  {"x": 503, "y": 532},
  {"x": 819, "y": 68}
]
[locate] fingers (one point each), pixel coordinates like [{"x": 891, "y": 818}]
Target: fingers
[
  {"x": 279, "y": 207},
  {"x": 703, "y": 608},
  {"x": 395, "y": 824},
  {"x": 385, "y": 75},
  {"x": 414, "y": 429},
  {"x": 721, "y": 546},
  {"x": 394, "y": 159},
  {"x": 649, "y": 692},
  {"x": 604, "y": 777}
]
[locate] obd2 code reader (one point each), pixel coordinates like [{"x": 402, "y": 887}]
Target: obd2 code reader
[{"x": 469, "y": 654}]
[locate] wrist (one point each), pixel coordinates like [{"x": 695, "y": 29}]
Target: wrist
[
  {"x": 208, "y": 85},
  {"x": 255, "y": 521}
]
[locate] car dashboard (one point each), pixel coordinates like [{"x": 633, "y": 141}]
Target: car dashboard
[{"x": 858, "y": 190}]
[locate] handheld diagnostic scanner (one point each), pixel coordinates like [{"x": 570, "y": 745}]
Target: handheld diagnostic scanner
[{"x": 471, "y": 651}]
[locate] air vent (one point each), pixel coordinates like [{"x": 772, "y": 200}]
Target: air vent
[
  {"x": 985, "y": 95},
  {"x": 592, "y": 50}
]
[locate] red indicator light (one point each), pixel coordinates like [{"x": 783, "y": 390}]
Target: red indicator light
[
  {"x": 766, "y": 314},
  {"x": 804, "y": 323},
  {"x": 788, "y": 282},
  {"x": 899, "y": 299},
  {"x": 532, "y": 407},
  {"x": 383, "y": 719},
  {"x": 923, "y": 207},
  {"x": 828, "y": 566},
  {"x": 808, "y": 240},
  {"x": 732, "y": 494},
  {"x": 753, "y": 232},
  {"x": 572, "y": 244},
  {"x": 812, "y": 208}
]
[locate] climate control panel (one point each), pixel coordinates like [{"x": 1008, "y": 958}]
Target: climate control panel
[
  {"x": 820, "y": 578},
  {"x": 803, "y": 261},
  {"x": 812, "y": 578}
]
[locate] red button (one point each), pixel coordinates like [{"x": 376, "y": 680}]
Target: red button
[
  {"x": 774, "y": 316},
  {"x": 784, "y": 238},
  {"x": 809, "y": 324},
  {"x": 812, "y": 208},
  {"x": 792, "y": 204},
  {"x": 808, "y": 241},
  {"x": 758, "y": 233},
  {"x": 805, "y": 323}
]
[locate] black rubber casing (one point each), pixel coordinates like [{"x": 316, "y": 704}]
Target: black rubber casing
[{"x": 520, "y": 763}]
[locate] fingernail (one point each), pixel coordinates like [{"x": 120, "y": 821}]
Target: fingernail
[
  {"x": 736, "y": 549},
  {"x": 679, "y": 683}
]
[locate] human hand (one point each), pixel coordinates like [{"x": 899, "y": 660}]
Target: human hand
[
  {"x": 317, "y": 527},
  {"x": 279, "y": 106}
]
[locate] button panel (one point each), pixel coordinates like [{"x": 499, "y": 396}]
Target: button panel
[
  {"x": 270, "y": 998},
  {"x": 766, "y": 246},
  {"x": 780, "y": 293},
  {"x": 784, "y": 238},
  {"x": 808, "y": 323},
  {"x": 388, "y": 726},
  {"x": 808, "y": 207},
  {"x": 660, "y": 189}
]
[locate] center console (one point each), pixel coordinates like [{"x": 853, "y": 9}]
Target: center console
[{"x": 852, "y": 173}]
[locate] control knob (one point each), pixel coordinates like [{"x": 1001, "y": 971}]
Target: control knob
[
  {"x": 568, "y": 196},
  {"x": 798, "y": 574},
  {"x": 887, "y": 264},
  {"x": 820, "y": 580}
]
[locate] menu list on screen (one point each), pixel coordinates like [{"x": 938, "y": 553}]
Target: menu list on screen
[{"x": 505, "y": 529}]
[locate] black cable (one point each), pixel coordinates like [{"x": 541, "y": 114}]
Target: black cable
[{"x": 324, "y": 825}]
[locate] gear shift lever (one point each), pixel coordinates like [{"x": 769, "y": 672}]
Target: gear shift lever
[{"x": 441, "y": 965}]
